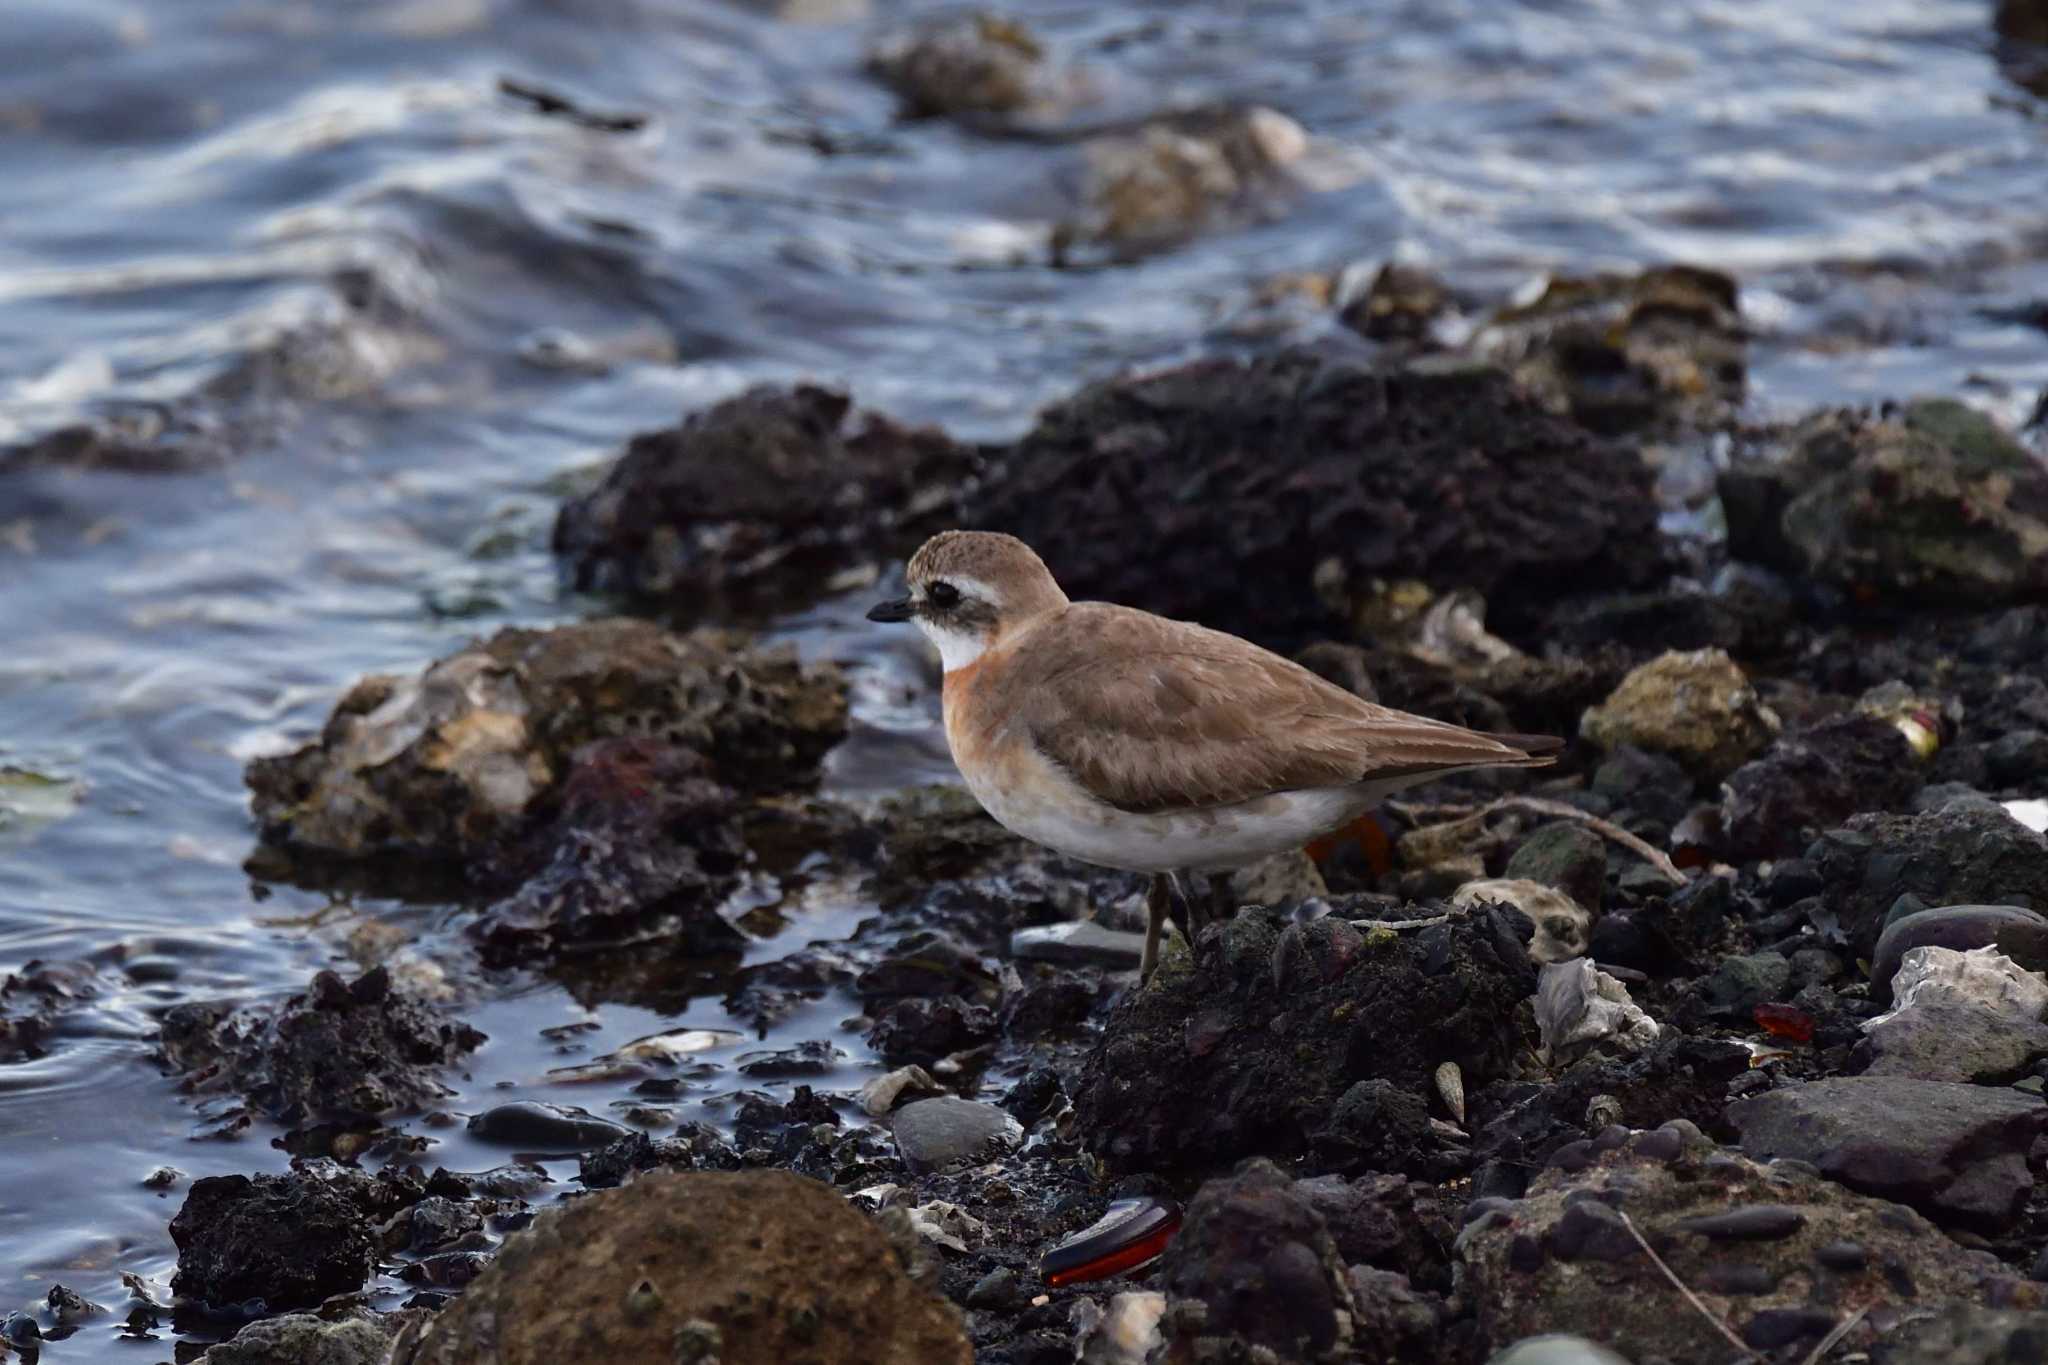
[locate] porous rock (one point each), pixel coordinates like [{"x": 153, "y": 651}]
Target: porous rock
[
  {"x": 337, "y": 1051},
  {"x": 1562, "y": 1259},
  {"x": 287, "y": 1241},
  {"x": 1810, "y": 781},
  {"x": 33, "y": 999},
  {"x": 1135, "y": 491},
  {"x": 1248, "y": 1047},
  {"x": 1697, "y": 707},
  {"x": 303, "y": 1339},
  {"x": 441, "y": 765},
  {"x": 750, "y": 1267},
  {"x": 760, "y": 501},
  {"x": 1965, "y": 852},
  {"x": 1260, "y": 1260}
]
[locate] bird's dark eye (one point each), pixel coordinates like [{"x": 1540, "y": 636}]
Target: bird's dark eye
[{"x": 942, "y": 595}]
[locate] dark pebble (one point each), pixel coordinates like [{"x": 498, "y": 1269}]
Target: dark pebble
[
  {"x": 1591, "y": 1231},
  {"x": 1573, "y": 1157},
  {"x": 1659, "y": 1144},
  {"x": 547, "y": 1127},
  {"x": 1491, "y": 1203},
  {"x": 1751, "y": 1223},
  {"x": 1525, "y": 1254},
  {"x": 2039, "y": 1270},
  {"x": 1002, "y": 1288},
  {"x": 19, "y": 1329},
  {"x": 1845, "y": 1256},
  {"x": 1612, "y": 1138},
  {"x": 1775, "y": 1327},
  {"x": 1724, "y": 1277}
]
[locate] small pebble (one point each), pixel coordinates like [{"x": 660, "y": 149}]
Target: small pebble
[
  {"x": 1751, "y": 1223},
  {"x": 1846, "y": 1256}
]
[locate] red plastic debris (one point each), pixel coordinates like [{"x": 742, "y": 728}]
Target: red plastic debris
[{"x": 1783, "y": 1021}]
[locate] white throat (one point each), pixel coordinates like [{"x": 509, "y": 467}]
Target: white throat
[{"x": 957, "y": 649}]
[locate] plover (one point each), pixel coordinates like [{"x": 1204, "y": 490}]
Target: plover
[{"x": 1132, "y": 741}]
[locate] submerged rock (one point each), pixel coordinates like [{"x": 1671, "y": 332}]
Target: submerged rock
[
  {"x": 1935, "y": 504},
  {"x": 442, "y": 765},
  {"x": 1250, "y": 1047},
  {"x": 766, "y": 499},
  {"x": 1137, "y": 490},
  {"x": 338, "y": 1051},
  {"x": 748, "y": 1268},
  {"x": 1618, "y": 352},
  {"x": 974, "y": 64},
  {"x": 287, "y": 1241},
  {"x": 1953, "y": 1151},
  {"x": 34, "y": 998},
  {"x": 1697, "y": 707},
  {"x": 1179, "y": 175},
  {"x": 1562, "y": 1259}
]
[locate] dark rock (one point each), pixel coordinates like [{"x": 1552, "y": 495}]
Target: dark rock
[
  {"x": 1001, "y": 1289},
  {"x": 692, "y": 1147},
  {"x": 1401, "y": 304},
  {"x": 1041, "y": 1089},
  {"x": 1351, "y": 470},
  {"x": 1775, "y": 1327},
  {"x": 1655, "y": 788},
  {"x": 1740, "y": 984},
  {"x": 1955, "y": 1151},
  {"x": 964, "y": 64},
  {"x": 1811, "y": 781},
  {"x": 762, "y": 1124},
  {"x": 21, "y": 1331},
  {"x": 1401, "y": 1322},
  {"x": 32, "y": 1000},
  {"x": 1052, "y": 1002},
  {"x": 2018, "y": 759},
  {"x": 288, "y": 1241},
  {"x": 761, "y": 502},
  {"x": 643, "y": 847},
  {"x": 544, "y": 1127},
  {"x": 1937, "y": 504},
  {"x": 1619, "y": 352},
  {"x": 1083, "y": 943},
  {"x": 1963, "y": 853},
  {"x": 1216, "y": 1059},
  {"x": 2020, "y": 934},
  {"x": 442, "y": 766},
  {"x": 924, "y": 1029},
  {"x": 1565, "y": 855},
  {"x": 1590, "y": 1231},
  {"x": 1376, "y": 1126},
  {"x": 434, "y": 1224},
  {"x": 338, "y": 1052},
  {"x": 1680, "y": 1078},
  {"x": 1260, "y": 1259},
  {"x": 1846, "y": 1257},
  {"x": 1627, "y": 1303},
  {"x": 810, "y": 1057},
  {"x": 1749, "y": 1223},
  {"x": 933, "y": 1134},
  {"x": 1386, "y": 1221},
  {"x": 657, "y": 1270},
  {"x": 929, "y": 964}
]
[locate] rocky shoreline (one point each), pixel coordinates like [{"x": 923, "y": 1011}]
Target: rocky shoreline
[{"x": 1532, "y": 1042}]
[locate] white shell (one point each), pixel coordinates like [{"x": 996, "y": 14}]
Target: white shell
[{"x": 1450, "y": 1083}]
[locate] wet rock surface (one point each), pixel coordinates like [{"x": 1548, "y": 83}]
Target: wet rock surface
[
  {"x": 278, "y": 1242},
  {"x": 765, "y": 499},
  {"x": 441, "y": 765},
  {"x": 654, "y": 1272},
  {"x": 341, "y": 1051},
  {"x": 1777, "y": 1253}
]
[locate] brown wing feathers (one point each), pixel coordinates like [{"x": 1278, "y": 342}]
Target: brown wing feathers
[{"x": 1150, "y": 714}]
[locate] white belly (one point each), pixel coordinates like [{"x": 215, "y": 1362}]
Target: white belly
[{"x": 1050, "y": 808}]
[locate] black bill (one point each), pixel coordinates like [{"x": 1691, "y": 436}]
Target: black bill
[{"x": 899, "y": 610}]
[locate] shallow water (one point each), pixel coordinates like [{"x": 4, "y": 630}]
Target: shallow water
[{"x": 187, "y": 183}]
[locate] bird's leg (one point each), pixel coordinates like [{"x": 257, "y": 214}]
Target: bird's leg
[
  {"x": 1183, "y": 909},
  {"x": 1157, "y": 901}
]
